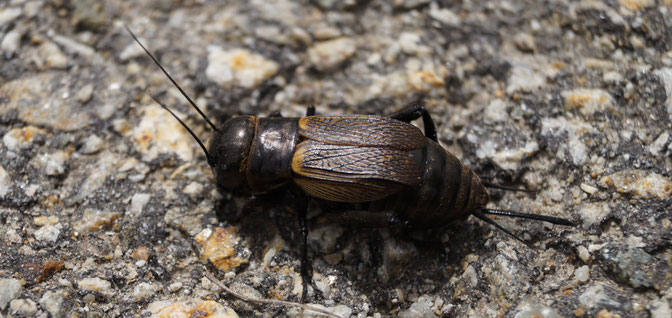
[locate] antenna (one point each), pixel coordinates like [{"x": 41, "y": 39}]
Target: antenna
[
  {"x": 171, "y": 79},
  {"x": 211, "y": 160},
  {"x": 488, "y": 220},
  {"x": 481, "y": 214},
  {"x": 545, "y": 218}
]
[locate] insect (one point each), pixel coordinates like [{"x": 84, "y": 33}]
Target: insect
[{"x": 388, "y": 171}]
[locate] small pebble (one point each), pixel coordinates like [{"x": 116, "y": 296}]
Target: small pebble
[
  {"x": 329, "y": 54},
  {"x": 238, "y": 67},
  {"x": 443, "y": 15},
  {"x": 584, "y": 254},
  {"x": 420, "y": 308},
  {"x": 56, "y": 163},
  {"x": 52, "y": 301},
  {"x": 38, "y": 100},
  {"x": 636, "y": 5},
  {"x": 24, "y": 307},
  {"x": 582, "y": 273},
  {"x": 158, "y": 132},
  {"x": 657, "y": 146},
  {"x": 143, "y": 291},
  {"x": 51, "y": 56},
  {"x": 85, "y": 93},
  {"x": 9, "y": 289},
  {"x": 138, "y": 202},
  {"x": 588, "y": 188},
  {"x": 21, "y": 138},
  {"x": 175, "y": 287},
  {"x": 11, "y": 42},
  {"x": 593, "y": 213},
  {"x": 95, "y": 220},
  {"x": 95, "y": 284},
  {"x": 525, "y": 42},
  {"x": 640, "y": 184},
  {"x": 8, "y": 14},
  {"x": 92, "y": 144},
  {"x": 140, "y": 253},
  {"x": 5, "y": 183},
  {"x": 661, "y": 309},
  {"x": 219, "y": 247},
  {"x": 598, "y": 296},
  {"x": 193, "y": 189},
  {"x": 588, "y": 101},
  {"x": 48, "y": 233},
  {"x": 529, "y": 309}
]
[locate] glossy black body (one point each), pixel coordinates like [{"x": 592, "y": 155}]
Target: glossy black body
[{"x": 253, "y": 155}]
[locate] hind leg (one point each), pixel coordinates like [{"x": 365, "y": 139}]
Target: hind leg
[{"x": 411, "y": 113}]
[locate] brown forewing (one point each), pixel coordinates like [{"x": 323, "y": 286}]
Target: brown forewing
[
  {"x": 362, "y": 130},
  {"x": 346, "y": 171}
]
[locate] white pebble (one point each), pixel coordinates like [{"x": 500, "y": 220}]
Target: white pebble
[
  {"x": 588, "y": 188},
  {"x": 52, "y": 302},
  {"x": 8, "y": 15},
  {"x": 584, "y": 254},
  {"x": 329, "y": 54},
  {"x": 593, "y": 213},
  {"x": 9, "y": 289},
  {"x": 5, "y": 183},
  {"x": 24, "y": 307},
  {"x": 21, "y": 138},
  {"x": 92, "y": 144},
  {"x": 48, "y": 233},
  {"x": 56, "y": 163},
  {"x": 52, "y": 56},
  {"x": 11, "y": 42},
  {"x": 582, "y": 273},
  {"x": 145, "y": 290},
  {"x": 95, "y": 284},
  {"x": 138, "y": 202},
  {"x": 193, "y": 188},
  {"x": 238, "y": 67}
]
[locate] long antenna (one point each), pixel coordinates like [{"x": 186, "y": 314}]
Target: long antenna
[
  {"x": 546, "y": 218},
  {"x": 488, "y": 220},
  {"x": 211, "y": 160},
  {"x": 171, "y": 79}
]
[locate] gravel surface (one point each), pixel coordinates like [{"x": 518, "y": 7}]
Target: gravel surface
[{"x": 107, "y": 206}]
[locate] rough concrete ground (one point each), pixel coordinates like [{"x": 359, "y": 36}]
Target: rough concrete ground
[{"x": 107, "y": 207}]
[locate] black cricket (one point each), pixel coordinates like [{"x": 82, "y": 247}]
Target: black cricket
[{"x": 386, "y": 168}]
